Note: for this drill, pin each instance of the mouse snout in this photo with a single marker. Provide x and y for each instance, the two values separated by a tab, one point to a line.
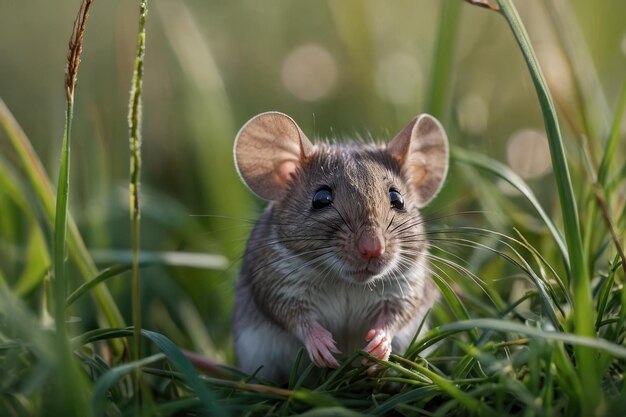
371	243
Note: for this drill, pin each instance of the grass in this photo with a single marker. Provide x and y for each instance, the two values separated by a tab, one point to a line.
134	121
531	320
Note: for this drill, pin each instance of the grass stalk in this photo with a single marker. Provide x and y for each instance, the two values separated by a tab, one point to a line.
73	396
440	73
611	144
134	120
42	187
589	97
579	279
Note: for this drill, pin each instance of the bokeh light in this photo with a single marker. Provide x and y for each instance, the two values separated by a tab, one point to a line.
472	114
399	78
309	72
528	153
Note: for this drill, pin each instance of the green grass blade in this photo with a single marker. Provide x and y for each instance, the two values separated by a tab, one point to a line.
454	303
185	259
40	182
60	225
588	90
512	327
38	262
165	258
614	136
113	376
504	172
583	311
441	71
173	354
180	361
134	121
98	279
445	385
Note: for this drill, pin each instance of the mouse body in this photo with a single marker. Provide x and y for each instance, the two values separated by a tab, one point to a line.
338	260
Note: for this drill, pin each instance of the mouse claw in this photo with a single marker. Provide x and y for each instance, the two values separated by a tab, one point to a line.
379	344
320	345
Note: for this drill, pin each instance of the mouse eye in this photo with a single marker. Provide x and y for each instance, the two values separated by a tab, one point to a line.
396	199
322	198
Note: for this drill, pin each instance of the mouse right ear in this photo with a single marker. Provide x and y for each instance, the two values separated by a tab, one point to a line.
421	148
269	149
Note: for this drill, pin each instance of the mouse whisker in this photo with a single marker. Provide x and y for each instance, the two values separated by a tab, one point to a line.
342	218
288	258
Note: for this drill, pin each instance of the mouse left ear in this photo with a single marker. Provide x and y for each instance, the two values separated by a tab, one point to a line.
269	150
421	149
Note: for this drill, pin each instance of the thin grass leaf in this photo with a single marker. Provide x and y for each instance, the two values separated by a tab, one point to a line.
588	91
611	144
175	407
165	258
42	186
107	273
113	376
134	122
504	172
173	354
454	303
332	412
73	396
417	394
606	286
441	70
549	304
180	362
99	334
579	276
38	263
512	327
294	370
445	385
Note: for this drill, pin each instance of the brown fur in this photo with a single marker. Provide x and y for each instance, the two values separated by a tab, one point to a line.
302	266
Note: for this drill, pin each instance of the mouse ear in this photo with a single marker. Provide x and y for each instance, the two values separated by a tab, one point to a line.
269	149
421	148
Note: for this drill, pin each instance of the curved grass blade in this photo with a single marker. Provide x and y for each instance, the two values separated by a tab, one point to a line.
167	258
583	312
417	394
112	376
588	91
611	144
444	384
579	275
332	412
512	327
186	259
40	182
98	279
504	172
170	351
180	362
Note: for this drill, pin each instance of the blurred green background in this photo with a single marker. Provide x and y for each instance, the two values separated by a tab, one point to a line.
341	68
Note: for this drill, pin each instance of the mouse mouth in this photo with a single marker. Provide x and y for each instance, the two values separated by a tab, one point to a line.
365	275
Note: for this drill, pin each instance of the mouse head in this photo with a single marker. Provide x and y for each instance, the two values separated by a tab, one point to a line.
351	209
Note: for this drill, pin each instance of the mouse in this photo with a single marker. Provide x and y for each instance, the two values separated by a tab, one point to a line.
338	260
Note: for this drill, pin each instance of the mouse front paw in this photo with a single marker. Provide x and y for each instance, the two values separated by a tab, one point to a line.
379	344
320	345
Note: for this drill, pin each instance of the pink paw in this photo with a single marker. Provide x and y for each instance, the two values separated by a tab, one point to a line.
320	345
379	344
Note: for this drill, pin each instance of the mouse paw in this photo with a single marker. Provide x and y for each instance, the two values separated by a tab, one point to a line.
379	344
320	345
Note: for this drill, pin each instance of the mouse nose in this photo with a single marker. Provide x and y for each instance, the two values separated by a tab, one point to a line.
371	243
